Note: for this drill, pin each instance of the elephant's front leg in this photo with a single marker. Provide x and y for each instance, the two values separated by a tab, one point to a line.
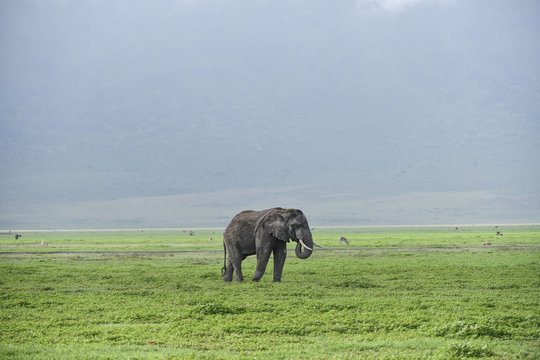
263	255
280	254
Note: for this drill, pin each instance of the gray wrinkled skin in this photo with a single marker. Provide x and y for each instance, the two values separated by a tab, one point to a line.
262	233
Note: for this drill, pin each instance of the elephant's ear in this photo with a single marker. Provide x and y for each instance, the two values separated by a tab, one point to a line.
275	224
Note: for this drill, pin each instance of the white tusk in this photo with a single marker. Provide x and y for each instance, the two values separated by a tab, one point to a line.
314	243
304	245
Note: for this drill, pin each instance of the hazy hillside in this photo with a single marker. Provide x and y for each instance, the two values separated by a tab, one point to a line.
105	101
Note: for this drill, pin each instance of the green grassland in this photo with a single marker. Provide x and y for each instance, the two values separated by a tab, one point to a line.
406	293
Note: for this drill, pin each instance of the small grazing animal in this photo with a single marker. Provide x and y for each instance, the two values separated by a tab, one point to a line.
485	243
343	239
44	243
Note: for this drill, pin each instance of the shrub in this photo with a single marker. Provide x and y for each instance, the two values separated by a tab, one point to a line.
215	309
463	329
469	350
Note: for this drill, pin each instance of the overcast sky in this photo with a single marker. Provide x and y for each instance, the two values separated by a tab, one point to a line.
180	113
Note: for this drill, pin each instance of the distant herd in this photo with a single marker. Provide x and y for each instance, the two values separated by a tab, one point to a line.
342	239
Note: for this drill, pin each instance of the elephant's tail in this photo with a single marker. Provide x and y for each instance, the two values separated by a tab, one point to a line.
224	268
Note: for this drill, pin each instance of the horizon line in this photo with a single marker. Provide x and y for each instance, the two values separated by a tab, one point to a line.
8	231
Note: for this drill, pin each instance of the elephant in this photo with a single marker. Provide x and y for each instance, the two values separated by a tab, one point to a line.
263	232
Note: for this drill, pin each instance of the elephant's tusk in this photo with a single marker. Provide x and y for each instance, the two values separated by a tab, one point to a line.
304	245
314	243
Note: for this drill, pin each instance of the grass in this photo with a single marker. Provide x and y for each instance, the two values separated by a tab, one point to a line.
432	293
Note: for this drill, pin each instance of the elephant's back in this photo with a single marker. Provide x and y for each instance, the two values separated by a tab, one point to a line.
244	223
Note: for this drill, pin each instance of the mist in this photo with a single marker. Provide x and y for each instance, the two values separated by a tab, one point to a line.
181	113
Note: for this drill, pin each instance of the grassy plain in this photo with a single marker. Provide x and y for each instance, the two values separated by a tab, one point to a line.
432	293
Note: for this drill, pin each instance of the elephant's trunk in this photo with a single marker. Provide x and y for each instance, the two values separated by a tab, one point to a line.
305	245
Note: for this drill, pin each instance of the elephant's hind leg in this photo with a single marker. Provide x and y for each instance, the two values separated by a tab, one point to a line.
237	265
234	264
228	272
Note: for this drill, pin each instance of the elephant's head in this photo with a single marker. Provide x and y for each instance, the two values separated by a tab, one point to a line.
286	224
